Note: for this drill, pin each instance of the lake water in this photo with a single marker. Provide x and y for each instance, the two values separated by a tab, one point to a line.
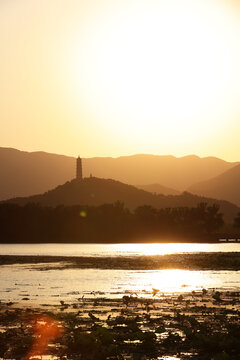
19	282
49	285
114	249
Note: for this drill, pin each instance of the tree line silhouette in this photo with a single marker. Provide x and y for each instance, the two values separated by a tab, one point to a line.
106	223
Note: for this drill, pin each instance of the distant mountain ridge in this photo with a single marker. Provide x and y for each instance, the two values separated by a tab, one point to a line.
95	191
169	171
225	186
28	173
24	174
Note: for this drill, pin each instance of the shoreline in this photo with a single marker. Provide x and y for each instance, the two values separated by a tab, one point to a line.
225	238
184	261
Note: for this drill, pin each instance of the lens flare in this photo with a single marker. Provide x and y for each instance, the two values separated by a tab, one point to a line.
45	330
83	213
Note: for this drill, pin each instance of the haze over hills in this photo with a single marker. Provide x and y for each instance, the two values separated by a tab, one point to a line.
225	186
95	191
158	189
28	173
23	173
169	171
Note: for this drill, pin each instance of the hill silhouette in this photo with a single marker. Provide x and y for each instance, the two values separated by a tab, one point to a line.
28	173
224	186
169	171
24	174
158	189
94	191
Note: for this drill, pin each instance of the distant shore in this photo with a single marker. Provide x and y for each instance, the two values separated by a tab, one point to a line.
186	261
218	238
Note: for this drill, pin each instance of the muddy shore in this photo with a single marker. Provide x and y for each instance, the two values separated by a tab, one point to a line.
199	325
190	261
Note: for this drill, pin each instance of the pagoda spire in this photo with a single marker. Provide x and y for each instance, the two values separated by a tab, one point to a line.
79	168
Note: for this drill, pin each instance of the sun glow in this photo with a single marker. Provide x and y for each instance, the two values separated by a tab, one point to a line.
112	78
160	70
176	280
161	248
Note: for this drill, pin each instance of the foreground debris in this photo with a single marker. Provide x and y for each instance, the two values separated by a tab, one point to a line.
203	325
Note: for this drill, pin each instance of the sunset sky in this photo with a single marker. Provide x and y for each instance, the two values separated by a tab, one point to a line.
119	77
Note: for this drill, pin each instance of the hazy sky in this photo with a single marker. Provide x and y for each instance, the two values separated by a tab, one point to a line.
118	77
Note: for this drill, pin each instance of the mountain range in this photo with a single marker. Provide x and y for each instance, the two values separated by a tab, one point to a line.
28	173
225	186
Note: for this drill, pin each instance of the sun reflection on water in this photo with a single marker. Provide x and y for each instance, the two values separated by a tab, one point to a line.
162	248
50	286
169	281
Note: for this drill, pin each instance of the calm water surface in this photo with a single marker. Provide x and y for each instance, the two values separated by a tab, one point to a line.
114	249
50	285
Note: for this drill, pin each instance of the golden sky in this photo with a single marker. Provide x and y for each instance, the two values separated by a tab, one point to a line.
119	77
